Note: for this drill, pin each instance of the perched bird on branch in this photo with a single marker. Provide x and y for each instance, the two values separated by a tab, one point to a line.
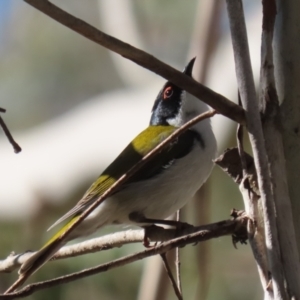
159	188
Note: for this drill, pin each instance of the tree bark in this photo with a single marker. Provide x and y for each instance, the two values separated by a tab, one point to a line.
287	78
275	152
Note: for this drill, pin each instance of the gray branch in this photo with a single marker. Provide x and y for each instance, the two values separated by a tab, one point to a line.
235	166
248	97
174	238
275	149
213	99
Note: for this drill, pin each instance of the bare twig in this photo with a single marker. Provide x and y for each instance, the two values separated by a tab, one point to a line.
118	239
15	145
215	100
177	259
240	138
210	231
113	188
256	234
171	277
230	162
249	101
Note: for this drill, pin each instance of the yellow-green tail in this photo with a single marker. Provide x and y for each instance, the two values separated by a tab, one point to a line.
39	258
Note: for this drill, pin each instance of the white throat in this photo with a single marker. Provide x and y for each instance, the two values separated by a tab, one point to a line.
192	107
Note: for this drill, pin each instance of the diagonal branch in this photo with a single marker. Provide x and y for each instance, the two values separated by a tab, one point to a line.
215	100
10	138
171	277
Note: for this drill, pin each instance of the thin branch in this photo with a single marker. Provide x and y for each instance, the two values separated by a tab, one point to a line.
177	259
15	145
252	203
239	138
214	230
215	100
171	277
230	162
113	188
240	144
118	239
248	96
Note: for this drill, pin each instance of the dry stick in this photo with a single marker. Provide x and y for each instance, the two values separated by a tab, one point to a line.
106	242
230	163
210	231
215	100
276	153
256	234
114	187
15	145
248	96
171	277
239	138
177	259
154	283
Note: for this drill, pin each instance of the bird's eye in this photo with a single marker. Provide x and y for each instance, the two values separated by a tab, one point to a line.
168	92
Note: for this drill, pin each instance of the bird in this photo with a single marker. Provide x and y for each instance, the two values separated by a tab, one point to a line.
160	187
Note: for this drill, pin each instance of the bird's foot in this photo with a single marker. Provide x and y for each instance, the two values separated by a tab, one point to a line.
147	240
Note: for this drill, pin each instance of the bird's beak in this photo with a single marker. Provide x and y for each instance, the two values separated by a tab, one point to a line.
189	67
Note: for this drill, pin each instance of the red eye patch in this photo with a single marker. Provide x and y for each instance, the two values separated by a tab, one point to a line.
168	92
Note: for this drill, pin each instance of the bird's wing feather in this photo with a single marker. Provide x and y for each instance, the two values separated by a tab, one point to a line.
103	183
134	152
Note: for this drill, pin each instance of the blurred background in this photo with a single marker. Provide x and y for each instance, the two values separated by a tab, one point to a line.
73	105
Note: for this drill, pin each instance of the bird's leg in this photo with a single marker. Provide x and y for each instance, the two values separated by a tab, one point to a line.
146	241
138	217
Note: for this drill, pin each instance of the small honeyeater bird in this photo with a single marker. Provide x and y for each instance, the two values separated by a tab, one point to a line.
161	187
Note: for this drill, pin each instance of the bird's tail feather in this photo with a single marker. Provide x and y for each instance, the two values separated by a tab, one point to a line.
39	258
